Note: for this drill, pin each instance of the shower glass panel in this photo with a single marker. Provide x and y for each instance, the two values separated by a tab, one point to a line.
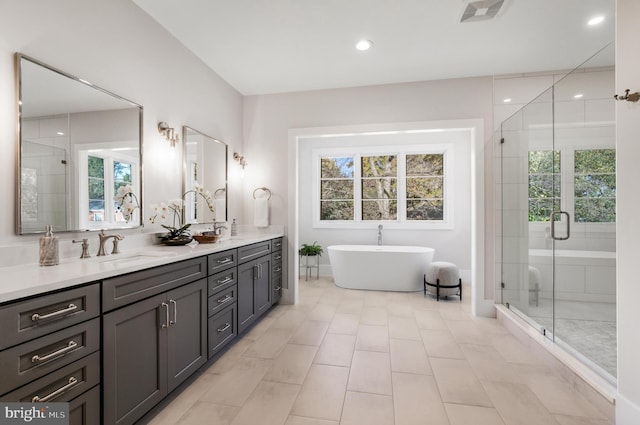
558	213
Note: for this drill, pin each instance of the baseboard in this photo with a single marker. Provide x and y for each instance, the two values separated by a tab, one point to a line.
627	412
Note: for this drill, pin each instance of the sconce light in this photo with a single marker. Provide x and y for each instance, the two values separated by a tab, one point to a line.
629	97
241	160
168	133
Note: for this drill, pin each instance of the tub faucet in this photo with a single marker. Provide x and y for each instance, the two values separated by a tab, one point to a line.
103	238
379	234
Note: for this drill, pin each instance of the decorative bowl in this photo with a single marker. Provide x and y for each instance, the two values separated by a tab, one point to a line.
206	238
180	240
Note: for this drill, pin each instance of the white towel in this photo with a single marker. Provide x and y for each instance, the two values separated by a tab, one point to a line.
261	217
220	209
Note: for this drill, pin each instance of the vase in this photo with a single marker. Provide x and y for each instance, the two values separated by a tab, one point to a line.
178	240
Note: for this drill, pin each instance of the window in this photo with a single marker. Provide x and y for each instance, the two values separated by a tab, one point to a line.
595	185
379	187
96	185
588	179
544	184
336	188
425	187
401	185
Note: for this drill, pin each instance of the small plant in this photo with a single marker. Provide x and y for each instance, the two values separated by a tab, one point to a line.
311	250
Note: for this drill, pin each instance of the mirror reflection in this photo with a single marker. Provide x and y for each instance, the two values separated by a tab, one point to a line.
205	163
78	145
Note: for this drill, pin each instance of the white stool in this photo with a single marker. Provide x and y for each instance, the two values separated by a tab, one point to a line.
535	283
443	279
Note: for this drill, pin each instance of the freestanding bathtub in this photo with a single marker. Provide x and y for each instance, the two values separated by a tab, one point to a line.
382	268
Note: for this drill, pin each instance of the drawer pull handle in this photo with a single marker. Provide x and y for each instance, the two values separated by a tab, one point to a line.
35	317
70	346
72	382
166	314
225	299
277	257
277	288
175	312
226	326
277	269
225	260
225	280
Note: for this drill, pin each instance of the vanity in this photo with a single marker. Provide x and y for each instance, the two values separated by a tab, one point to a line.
115	335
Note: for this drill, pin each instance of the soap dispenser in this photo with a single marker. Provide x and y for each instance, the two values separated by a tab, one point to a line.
49	248
234	228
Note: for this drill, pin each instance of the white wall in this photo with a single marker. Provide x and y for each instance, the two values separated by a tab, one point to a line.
628	149
118	47
268	118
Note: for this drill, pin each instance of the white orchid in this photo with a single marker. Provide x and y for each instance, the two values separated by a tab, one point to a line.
127	200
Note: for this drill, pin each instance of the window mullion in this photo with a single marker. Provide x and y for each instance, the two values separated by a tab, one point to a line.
357	188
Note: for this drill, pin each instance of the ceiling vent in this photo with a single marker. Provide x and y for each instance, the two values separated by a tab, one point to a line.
481	10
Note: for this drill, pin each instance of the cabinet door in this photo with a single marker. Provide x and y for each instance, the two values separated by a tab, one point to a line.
187	331
246	304
262	290
134	359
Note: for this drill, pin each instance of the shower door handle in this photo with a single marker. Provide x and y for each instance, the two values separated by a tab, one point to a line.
553	225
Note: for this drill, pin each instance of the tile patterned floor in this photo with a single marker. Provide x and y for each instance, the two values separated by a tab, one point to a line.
377	358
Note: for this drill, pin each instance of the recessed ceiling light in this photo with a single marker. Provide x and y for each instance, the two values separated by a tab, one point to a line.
507	100
595	20
363	45
577	96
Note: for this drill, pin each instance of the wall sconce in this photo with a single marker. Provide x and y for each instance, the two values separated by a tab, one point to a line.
629	97
169	133
241	160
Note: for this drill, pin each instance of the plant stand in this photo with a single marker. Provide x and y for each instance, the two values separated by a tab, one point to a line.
309	265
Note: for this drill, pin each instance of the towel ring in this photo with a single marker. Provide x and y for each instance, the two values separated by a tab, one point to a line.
221	190
262	188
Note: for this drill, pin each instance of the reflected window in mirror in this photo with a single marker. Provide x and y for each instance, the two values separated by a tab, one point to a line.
77	145
205	163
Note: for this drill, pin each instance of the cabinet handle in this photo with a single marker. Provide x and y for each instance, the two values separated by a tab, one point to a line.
277	269
225	299
277	288
175	312
225	280
70	346
166	316
225	327
35	317
225	260
255	272
277	257
72	382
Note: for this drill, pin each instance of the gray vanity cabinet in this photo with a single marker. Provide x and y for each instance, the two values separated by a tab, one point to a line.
254	278
276	270
152	345
50	351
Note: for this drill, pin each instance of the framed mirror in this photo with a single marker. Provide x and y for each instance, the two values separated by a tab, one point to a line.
205	164
79	147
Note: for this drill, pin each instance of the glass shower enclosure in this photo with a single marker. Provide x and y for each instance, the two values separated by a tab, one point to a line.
558	213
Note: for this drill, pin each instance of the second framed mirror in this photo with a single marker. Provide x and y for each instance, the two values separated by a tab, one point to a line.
205	164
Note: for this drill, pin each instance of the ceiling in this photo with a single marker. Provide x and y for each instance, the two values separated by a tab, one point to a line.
274	46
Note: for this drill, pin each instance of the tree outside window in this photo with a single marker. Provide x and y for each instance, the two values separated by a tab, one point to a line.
379	187
425	187
595	185
544	184
336	188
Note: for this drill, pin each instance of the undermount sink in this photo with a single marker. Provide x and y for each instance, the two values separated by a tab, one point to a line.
130	257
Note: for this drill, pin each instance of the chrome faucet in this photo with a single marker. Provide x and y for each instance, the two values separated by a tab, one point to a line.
217	228
103	238
379	234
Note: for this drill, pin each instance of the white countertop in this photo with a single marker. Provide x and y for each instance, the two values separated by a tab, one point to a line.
31	279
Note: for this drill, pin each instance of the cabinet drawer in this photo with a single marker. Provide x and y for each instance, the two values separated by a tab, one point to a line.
276	288
276	244
85	409
222	299
276	267
26	320
33	359
61	385
223	260
122	290
222	280
250	252
223	327
276	257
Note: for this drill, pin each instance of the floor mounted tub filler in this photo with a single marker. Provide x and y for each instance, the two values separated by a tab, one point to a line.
381	268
